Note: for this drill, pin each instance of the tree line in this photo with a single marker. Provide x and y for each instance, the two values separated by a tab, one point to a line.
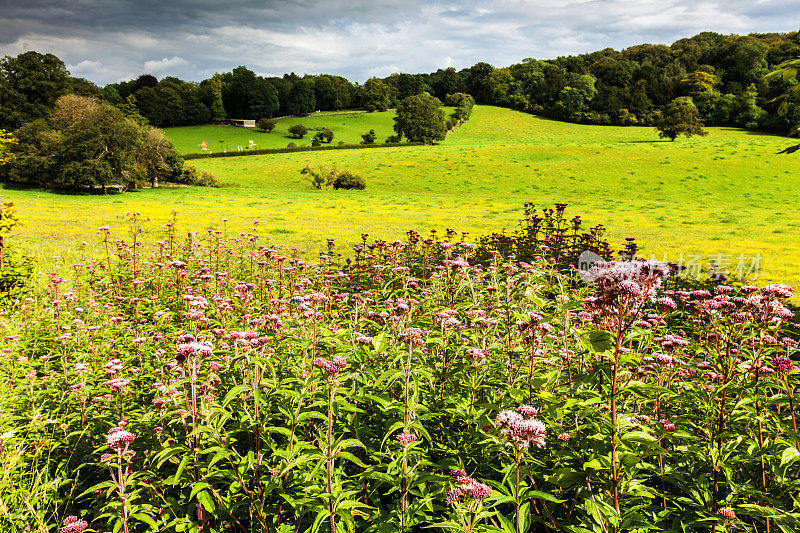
724	75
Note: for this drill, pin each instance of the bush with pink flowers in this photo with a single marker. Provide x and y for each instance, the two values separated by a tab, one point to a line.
217	383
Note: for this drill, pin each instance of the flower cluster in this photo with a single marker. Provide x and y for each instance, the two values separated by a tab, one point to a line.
332	367
194	349
520	428
73	525
406	437
119	438
468	489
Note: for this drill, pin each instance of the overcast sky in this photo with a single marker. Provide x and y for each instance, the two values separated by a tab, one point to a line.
111	40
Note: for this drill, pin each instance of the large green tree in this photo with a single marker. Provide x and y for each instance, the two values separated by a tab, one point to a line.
420	119
87	143
680	117
375	95
30	83
301	97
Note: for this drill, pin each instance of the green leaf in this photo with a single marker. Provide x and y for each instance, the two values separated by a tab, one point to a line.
789	455
181	466
600	341
147	519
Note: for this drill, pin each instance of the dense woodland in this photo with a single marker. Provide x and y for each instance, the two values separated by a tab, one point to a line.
723	74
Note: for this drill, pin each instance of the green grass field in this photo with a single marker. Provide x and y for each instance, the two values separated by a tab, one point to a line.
728	193
347	128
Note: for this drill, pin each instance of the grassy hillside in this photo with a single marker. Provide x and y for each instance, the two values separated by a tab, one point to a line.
728	193
347	128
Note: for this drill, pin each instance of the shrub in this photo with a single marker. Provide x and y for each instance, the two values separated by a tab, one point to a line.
298	131
325	178
16	268
327	135
265	124
393	139
369	137
198	178
317	140
347	180
291	145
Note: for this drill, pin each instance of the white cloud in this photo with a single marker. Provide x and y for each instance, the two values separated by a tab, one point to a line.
164	65
358	38
87	69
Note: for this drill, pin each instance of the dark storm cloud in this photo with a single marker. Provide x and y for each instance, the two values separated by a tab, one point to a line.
110	40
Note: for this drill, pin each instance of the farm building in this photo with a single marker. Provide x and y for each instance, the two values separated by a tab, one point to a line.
244	123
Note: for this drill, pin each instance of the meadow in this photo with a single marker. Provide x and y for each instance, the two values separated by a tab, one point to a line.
727	193
348	126
204	360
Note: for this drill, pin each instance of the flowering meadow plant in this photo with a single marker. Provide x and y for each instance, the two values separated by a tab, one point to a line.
218	383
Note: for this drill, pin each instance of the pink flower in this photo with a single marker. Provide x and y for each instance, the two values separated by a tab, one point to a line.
194	349
527	411
406	437
453	496
73	525
117	383
563	437
331	367
119	438
727	513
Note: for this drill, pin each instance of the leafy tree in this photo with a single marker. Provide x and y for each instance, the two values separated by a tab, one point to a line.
298	131
787	72
421	119
265	124
680	117
30	83
574	99
448	81
479	82
699	83
368	138
375	95
325	92
145	80
88	143
6	140
301	98
156	158
245	95
213	98
326	135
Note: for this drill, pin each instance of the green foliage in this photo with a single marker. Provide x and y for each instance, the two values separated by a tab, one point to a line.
16	268
298	131
6	140
403	387
301	98
30	84
198	178
680	117
247	96
375	95
213	98
265	124
87	143
368	138
787	71
331	177
419	118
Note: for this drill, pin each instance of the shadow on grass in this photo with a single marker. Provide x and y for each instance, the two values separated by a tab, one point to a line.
646	142
789	149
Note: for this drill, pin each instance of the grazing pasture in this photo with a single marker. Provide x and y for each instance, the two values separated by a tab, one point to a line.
728	193
348	126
